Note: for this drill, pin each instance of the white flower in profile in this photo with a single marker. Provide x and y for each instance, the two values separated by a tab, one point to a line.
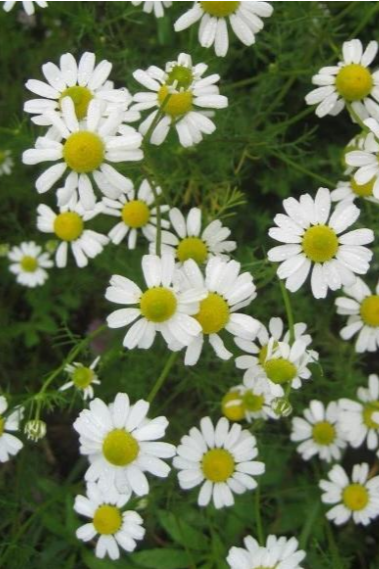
27	5
349	190
365	159
348	82
315	242
29	264
9	444
82	377
250	400
276	553
114	527
220	458
356	499
6	163
120	443
136	211
245	19
69	226
182	98
85	150
157	8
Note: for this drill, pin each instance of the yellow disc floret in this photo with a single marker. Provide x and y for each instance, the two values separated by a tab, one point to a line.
29	264
362	190
175	104
323	433
214	313
232	406
368	412
83	152
180	77
370	310
82	377
120	447
68	226
253	402
158	304
355	497
280	370
81	97
217	465
320	243
135	214
220	9
354	82
2	424
192	248
107	520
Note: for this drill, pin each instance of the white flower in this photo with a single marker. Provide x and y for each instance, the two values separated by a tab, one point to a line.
319	432
6	163
136	210
82	378
86	149
164	307
245	19
9	444
120	443
350	81
313	237
221	459
251	400
357	498
227	292
28	6
277	553
362	309
366	159
115	527
69	227
192	241
349	190
29	264
156	7
360	419
180	93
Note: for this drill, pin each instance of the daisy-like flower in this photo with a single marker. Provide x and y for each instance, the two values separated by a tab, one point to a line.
228	291
277	553
113	526
365	160
9	444
179	94
221	459
245	19
319	432
6	163
350	190
191	241
360	419
29	264
28	6
250	400
136	211
156	7
82	81
85	150
357	498
313	240
164	307
361	306
82	377
120	443
69	227
348	82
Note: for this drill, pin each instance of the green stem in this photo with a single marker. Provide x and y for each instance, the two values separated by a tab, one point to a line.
258	517
161	379
303	170
158	237
337	561
287	304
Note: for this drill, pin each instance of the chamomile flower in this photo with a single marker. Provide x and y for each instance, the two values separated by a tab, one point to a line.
182	98
69	226
6	163
245	19
120	443
219	458
29	264
9	444
114	526
192	241
28	6
365	160
356	499
85	151
136	210
82	377
319	432
350	190
156	7
163	307
228	291
277	553
251	400
361	306
314	242
348	82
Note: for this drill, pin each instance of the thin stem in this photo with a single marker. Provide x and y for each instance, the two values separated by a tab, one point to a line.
158	237
287	304
303	170
161	379
258	517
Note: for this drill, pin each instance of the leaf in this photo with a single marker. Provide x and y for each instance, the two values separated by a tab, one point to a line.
181	532
162	559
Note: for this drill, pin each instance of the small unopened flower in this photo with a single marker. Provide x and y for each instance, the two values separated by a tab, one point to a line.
35	430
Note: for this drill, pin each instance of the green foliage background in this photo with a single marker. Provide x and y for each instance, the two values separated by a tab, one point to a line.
268	146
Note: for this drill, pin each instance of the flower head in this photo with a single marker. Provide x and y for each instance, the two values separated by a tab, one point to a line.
9	444
365	160
350	190
250	400
35	430
277	553
29	264
82	377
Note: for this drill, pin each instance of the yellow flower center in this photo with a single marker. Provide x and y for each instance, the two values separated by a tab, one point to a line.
220	9
2	424
177	104
354	82
320	243
158	304
82	377
120	447
362	190
214	313
253	402
107	520
280	370
83	152
368	412
232	406
181	77
323	433
192	248
81	97
355	497
135	214
217	465
370	310
68	226
29	264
